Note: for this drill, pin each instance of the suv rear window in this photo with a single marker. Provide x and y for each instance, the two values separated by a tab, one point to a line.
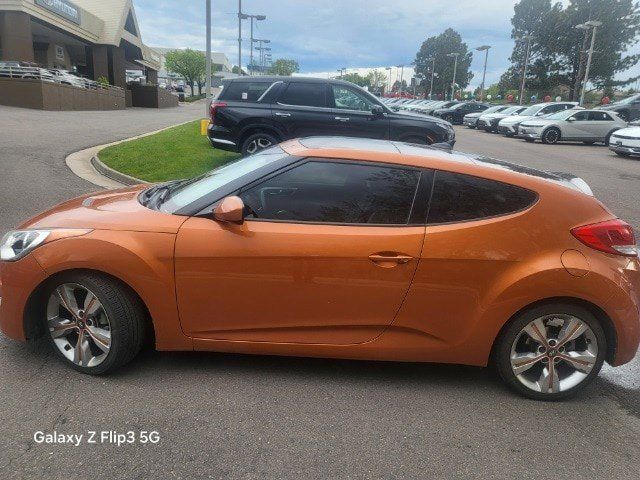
458	197
244	91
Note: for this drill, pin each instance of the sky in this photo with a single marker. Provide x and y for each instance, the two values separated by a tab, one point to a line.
324	35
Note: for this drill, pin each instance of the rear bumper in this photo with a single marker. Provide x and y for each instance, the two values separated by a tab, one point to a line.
221	138
624	309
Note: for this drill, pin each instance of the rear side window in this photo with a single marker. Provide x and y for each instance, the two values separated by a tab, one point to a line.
458	197
244	91
305	95
600	116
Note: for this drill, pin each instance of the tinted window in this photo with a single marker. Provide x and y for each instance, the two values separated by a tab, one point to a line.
244	91
600	116
580	116
305	95
329	192
348	99
457	197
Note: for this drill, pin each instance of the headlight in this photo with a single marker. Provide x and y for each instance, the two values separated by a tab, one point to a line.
16	245
19	243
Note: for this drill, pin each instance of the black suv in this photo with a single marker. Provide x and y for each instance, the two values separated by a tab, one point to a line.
456	113
627	109
252	113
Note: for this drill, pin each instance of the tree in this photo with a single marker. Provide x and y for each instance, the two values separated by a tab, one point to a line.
357	79
238	71
439	47
284	66
188	63
377	80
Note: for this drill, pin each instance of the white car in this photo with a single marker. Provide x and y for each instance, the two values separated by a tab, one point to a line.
509	125
489	121
626	141
587	126
471	119
67	78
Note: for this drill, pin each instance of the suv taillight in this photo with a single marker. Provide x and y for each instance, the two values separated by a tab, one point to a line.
612	236
214	107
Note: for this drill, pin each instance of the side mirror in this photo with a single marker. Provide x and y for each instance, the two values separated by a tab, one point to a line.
377	110
229	210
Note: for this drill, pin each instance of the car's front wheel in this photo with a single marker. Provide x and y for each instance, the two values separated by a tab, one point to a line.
551	136
551	352
256	142
94	324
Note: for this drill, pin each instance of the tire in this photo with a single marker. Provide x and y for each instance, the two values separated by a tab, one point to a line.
551	136
120	314
448	118
607	139
531	382
256	142
529	140
471	126
622	154
588	142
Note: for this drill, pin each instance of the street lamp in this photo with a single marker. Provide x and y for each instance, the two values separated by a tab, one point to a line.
455	67
526	38
401	67
593	24
389	70
246	16
485	49
208	59
433	70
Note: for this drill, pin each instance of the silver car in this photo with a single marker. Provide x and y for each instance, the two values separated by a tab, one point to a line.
588	126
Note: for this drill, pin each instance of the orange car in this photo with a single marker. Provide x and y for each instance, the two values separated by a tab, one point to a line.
337	247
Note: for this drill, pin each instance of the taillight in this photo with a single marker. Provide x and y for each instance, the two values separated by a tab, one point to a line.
214	108
612	236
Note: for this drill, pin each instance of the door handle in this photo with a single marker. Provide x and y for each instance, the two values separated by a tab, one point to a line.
342	119
389	259
282	114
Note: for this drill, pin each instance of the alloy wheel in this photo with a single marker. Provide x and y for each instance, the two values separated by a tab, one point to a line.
79	325
551	136
554	353
259	143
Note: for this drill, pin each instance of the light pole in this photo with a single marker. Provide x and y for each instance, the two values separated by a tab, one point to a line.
261	41
455	67
593	24
433	70
389	70
527	38
252	18
208	61
401	67
484	48
240	37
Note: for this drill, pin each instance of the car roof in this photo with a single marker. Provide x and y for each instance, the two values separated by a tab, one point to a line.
276	78
424	156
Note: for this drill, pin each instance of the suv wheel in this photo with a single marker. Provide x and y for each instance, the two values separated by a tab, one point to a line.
448	118
551	136
551	352
94	324
256	142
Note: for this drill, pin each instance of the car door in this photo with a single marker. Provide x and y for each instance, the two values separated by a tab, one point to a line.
577	126
302	110
326	255
600	124
353	114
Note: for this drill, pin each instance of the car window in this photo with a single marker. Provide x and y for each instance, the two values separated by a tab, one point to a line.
580	116
348	99
600	116
458	197
305	95
244	91
332	192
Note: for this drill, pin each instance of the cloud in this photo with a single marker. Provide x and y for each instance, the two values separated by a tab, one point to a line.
329	34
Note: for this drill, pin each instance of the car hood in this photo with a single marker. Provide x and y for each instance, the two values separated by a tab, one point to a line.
512	119
629	131
530	121
417	116
108	210
474	115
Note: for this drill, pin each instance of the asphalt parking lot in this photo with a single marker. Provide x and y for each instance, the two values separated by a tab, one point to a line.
233	416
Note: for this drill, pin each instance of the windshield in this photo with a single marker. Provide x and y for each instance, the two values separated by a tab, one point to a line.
532	110
495	108
510	110
560	115
627	100
207	183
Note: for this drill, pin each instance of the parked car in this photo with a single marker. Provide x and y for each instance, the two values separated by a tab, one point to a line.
428	110
65	77
456	113
626	141
588	126
471	119
627	109
509	125
489	122
252	113
376	245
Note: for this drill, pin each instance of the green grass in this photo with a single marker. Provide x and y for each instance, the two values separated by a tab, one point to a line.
179	152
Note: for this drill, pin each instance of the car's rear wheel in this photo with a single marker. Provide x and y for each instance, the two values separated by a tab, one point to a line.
94	324
256	142
551	352
551	136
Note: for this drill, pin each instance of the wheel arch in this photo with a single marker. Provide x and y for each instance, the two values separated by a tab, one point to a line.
605	321
33	310
254	128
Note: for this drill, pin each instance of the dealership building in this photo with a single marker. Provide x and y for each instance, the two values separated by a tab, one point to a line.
99	39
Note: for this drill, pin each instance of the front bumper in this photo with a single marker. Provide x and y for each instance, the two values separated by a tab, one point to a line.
17	282
529	133
625	149
470	122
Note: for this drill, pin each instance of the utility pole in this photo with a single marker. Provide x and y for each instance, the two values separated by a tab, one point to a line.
208	60
389	70
594	25
401	67
455	68
526	64
583	52
433	70
484	48
240	37
245	16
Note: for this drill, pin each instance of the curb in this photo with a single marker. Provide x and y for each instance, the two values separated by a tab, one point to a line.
87	165
113	174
